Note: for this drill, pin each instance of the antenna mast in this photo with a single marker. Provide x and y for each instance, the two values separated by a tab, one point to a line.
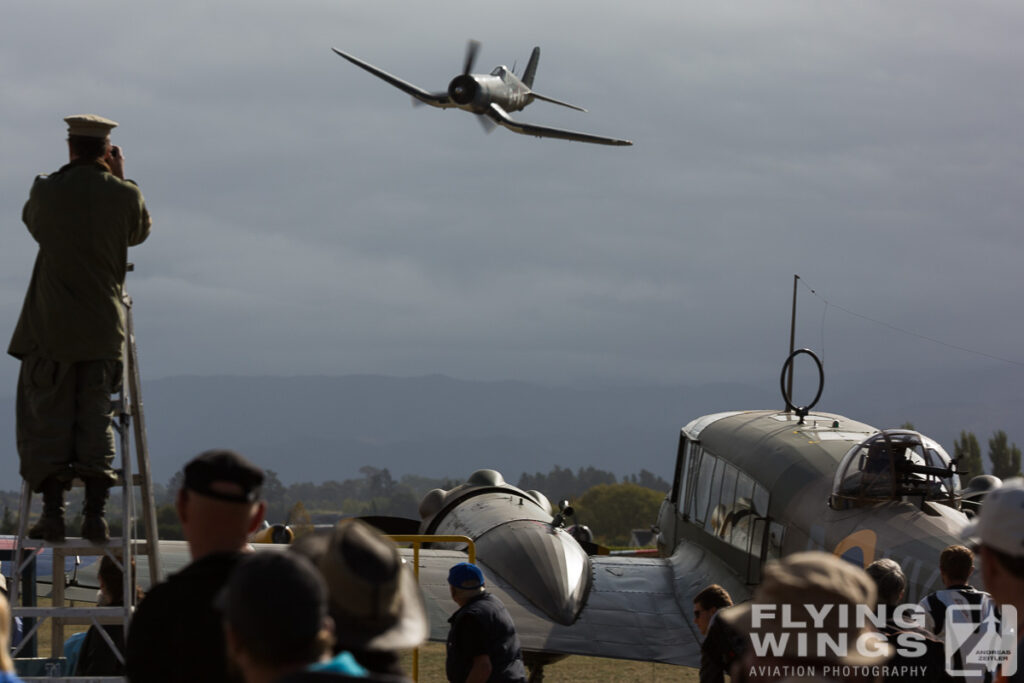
792	341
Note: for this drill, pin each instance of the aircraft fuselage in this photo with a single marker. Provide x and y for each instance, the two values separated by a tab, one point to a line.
475	93
754	486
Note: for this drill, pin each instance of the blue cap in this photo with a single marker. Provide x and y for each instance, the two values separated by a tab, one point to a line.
465	575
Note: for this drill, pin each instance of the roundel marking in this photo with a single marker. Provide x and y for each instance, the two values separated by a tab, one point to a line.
858	547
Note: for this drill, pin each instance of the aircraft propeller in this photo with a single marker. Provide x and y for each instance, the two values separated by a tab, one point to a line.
487	123
471	49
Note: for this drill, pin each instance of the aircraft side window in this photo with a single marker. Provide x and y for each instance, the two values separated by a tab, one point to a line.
679	481
702	487
742	515
727	501
760	500
717	513
693	458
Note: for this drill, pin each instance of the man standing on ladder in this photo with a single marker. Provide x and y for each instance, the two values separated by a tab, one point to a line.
71	331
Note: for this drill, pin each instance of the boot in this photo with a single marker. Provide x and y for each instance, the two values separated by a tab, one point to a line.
50	526
94	527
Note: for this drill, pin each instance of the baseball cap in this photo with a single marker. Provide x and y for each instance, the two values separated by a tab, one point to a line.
1000	523
465	575
210	468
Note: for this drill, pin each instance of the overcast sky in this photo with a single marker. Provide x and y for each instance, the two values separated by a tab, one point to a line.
309	220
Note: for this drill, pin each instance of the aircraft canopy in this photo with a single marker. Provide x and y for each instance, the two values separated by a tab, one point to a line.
892	465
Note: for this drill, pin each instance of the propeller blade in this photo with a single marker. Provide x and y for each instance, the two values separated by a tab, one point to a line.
471	50
487	123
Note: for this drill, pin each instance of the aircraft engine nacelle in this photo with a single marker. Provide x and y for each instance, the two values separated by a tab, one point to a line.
277	533
514	535
469	93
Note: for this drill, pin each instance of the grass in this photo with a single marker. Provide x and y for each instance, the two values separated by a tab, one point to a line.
573	669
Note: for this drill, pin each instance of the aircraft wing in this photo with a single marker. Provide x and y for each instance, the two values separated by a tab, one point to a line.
81	572
433	99
638	608
499	116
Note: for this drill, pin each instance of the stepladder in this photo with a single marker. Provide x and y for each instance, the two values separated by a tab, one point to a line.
137	539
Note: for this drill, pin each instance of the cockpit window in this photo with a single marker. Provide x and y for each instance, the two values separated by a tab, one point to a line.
499	71
894	464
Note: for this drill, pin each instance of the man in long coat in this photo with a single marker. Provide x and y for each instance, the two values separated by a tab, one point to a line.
71	331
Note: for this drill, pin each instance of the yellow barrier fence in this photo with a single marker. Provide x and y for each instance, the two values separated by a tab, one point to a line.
417	540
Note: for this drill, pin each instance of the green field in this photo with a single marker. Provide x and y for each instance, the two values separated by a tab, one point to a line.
569	670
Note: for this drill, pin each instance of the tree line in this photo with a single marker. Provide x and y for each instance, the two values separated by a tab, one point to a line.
610	506
377	492
1003	454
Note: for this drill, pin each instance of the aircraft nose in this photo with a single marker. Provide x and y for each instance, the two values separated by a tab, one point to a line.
546	565
463	89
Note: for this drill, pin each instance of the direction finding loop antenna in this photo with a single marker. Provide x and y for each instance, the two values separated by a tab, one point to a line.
802	411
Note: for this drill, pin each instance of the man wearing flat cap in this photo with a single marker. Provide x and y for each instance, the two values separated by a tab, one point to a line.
71	330
176	635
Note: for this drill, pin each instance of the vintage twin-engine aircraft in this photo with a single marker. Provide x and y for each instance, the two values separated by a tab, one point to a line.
490	97
748	487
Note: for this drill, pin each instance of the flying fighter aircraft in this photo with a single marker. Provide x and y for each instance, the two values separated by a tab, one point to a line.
490	97
749	486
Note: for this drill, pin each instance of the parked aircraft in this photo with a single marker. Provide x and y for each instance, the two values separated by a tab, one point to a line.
491	97
749	486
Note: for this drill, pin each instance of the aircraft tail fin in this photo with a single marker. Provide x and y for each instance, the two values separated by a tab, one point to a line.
531	68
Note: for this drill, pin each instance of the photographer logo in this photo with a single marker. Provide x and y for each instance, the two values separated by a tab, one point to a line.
976	641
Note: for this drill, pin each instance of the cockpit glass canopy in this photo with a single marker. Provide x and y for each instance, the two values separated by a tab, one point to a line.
499	71
893	464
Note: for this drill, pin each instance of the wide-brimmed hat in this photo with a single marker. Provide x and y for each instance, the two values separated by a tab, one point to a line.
812	579
374	599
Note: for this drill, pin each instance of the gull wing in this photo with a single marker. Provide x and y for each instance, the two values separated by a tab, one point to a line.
433	99
499	116
638	608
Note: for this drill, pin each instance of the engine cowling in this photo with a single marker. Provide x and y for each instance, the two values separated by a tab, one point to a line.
466	92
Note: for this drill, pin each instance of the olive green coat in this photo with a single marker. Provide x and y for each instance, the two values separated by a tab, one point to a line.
84	219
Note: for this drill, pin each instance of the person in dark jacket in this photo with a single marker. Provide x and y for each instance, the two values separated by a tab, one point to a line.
176	635
276	622
482	642
722	645
71	330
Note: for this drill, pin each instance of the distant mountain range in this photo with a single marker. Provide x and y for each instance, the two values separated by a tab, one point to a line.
323	428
